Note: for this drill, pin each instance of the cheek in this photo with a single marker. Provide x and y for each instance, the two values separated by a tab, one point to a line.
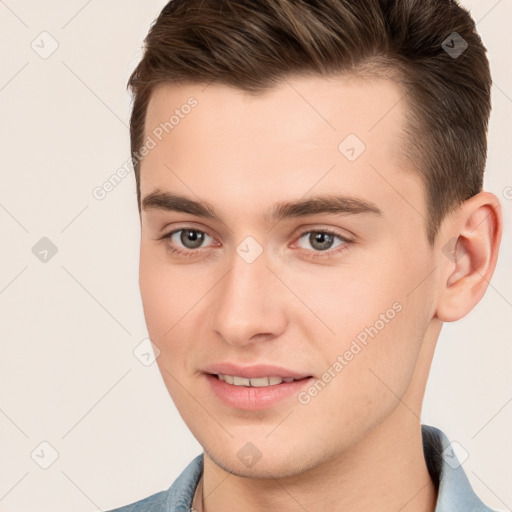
367	372
157	299
346	302
378	322
171	298
164	294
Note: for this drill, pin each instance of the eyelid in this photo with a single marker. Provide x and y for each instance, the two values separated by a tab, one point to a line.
328	253
168	236
341	233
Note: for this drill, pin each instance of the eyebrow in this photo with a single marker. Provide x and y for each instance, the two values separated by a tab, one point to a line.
326	204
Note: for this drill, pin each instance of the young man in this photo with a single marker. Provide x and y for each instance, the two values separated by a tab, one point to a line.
309	178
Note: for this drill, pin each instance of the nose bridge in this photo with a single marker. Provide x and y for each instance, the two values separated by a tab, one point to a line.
244	299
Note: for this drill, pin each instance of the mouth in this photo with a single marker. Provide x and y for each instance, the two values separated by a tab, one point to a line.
255	393
257	382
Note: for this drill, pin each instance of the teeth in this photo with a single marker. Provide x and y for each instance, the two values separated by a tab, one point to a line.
240	381
257	382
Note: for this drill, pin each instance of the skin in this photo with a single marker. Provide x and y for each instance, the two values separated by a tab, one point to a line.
357	444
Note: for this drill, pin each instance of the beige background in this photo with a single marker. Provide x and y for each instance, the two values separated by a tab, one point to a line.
69	326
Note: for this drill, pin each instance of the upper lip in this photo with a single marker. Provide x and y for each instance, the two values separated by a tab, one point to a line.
253	371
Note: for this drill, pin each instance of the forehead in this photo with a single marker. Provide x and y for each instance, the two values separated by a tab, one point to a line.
314	106
342	131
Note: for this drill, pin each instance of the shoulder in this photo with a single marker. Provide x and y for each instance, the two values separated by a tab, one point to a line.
178	498
154	503
454	489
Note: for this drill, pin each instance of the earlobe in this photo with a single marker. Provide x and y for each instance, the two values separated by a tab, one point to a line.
468	258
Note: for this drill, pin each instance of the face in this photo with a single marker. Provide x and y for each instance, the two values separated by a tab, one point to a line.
338	290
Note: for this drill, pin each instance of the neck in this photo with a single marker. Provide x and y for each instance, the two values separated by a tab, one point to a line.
385	472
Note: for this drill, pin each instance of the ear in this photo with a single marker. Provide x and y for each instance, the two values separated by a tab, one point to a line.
469	248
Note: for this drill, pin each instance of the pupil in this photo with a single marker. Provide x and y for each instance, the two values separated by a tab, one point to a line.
323	239
191	236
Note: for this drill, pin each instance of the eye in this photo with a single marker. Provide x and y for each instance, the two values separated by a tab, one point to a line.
185	241
188	241
323	240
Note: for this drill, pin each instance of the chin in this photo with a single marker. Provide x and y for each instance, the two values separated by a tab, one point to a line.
275	466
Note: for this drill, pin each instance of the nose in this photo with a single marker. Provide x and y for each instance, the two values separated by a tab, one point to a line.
249	303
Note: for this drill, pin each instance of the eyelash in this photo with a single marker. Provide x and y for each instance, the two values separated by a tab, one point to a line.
314	254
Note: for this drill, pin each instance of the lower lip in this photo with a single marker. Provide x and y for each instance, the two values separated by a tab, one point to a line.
253	398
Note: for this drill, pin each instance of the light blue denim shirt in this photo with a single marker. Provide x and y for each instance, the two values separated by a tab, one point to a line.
455	493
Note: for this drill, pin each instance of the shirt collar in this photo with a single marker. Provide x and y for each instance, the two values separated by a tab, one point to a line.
454	490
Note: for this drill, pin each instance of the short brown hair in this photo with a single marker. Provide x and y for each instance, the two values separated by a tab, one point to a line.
253	45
